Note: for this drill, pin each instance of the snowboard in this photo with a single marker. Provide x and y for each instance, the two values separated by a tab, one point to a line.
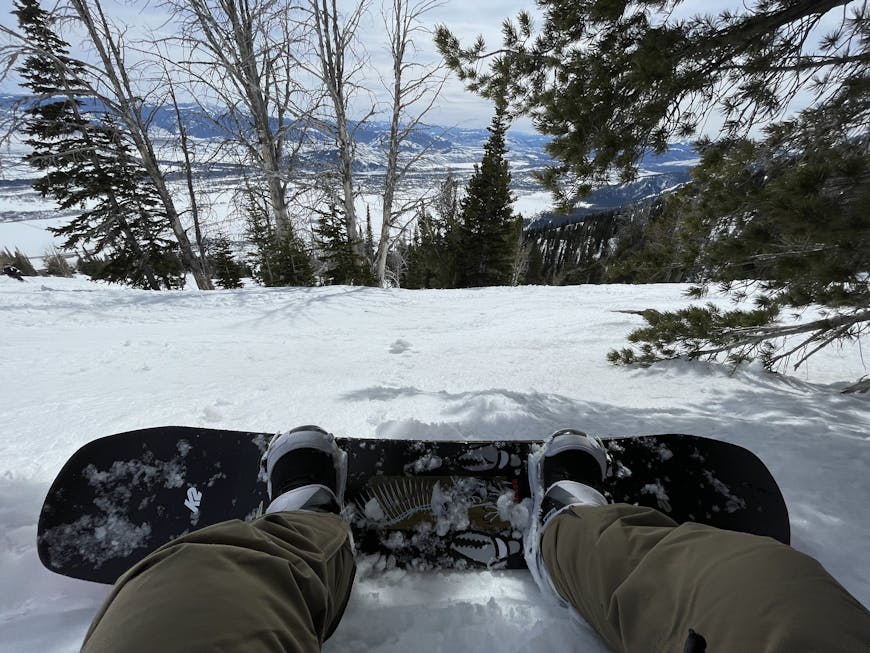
416	504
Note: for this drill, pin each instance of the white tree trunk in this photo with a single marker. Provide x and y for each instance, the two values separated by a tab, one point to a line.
251	66
333	43
402	22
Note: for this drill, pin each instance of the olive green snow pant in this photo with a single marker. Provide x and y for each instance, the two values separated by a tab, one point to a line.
281	583
642	582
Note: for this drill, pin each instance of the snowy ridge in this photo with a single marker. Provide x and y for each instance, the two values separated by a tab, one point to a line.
82	360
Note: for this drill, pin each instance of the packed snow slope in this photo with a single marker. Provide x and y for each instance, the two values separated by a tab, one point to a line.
82	360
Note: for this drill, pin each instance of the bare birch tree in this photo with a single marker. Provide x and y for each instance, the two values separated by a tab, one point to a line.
241	56
188	155
413	89
336	64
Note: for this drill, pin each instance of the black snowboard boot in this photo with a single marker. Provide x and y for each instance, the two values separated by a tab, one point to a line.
306	471
567	471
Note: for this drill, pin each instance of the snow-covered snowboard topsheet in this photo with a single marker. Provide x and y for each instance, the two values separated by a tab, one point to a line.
421	504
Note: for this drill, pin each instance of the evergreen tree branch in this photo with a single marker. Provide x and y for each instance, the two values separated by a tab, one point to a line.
751	336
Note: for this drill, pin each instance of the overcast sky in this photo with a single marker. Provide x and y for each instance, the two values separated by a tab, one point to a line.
466	18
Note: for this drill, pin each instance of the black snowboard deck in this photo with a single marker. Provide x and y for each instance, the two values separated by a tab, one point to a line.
420	504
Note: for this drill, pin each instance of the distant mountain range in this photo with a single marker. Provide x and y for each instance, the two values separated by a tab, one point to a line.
447	146
453	149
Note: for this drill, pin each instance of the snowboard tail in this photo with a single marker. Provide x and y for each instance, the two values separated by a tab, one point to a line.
420	504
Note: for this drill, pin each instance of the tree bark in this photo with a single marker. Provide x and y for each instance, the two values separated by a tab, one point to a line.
188	173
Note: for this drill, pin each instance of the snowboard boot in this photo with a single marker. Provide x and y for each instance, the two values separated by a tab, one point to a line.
565	472
306	471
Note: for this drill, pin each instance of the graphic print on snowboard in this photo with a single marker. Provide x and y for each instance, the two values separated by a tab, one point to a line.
421	504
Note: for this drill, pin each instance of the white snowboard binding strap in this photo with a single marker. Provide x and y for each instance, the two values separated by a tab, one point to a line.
308	498
560	496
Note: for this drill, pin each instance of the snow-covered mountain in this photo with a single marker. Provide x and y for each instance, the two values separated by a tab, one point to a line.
459	144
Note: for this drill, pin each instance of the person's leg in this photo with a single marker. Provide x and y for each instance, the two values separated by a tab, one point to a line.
279	583
642	582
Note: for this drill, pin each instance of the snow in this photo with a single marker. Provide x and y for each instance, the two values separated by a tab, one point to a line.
373	510
83	360
531	203
31	237
656	489
516	514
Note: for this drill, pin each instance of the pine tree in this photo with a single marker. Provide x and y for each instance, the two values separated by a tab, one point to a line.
488	229
125	223
227	270
535	267
794	218
415	266
87	164
445	234
278	259
426	254
434	251
370	236
610	81
339	253
48	70
120	216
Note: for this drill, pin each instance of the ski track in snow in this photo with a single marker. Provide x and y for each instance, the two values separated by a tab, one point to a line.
83	360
